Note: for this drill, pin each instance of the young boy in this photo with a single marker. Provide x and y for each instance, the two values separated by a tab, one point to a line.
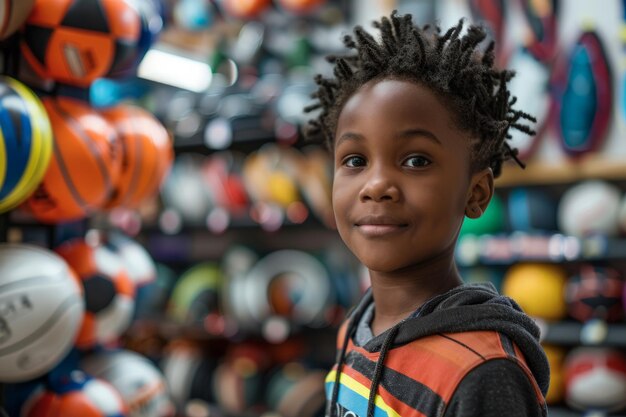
417	122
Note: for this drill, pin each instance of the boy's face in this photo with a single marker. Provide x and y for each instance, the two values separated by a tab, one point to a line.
402	176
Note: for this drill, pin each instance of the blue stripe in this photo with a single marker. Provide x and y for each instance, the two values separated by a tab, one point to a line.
18	149
353	401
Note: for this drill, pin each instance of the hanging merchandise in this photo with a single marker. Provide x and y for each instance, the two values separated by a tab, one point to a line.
77	395
108	291
589	208
492	221
583	96
41	310
222	173
13	13
86	163
531	87
491	14
542	17
595	379
140	383
76	41
25	142
595	292
147	155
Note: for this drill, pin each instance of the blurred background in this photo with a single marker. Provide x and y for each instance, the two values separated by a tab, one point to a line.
167	245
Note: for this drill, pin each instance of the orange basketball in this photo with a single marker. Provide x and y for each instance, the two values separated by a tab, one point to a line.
146	157
86	162
77	41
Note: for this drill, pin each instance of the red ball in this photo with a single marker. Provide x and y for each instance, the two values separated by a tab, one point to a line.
77	41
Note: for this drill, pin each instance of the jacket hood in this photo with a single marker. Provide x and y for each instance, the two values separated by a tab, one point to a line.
469	307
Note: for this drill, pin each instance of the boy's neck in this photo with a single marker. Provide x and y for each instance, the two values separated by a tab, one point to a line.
397	295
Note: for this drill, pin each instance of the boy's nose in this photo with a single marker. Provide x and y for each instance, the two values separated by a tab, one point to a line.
379	188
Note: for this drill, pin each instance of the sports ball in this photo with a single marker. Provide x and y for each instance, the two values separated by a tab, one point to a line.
590	207
147	155
12	15
188	372
41	309
537	288
137	261
25	142
595	293
109	291
77	395
196	294
556	356
141	384
492	221
76	41
86	163
595	378
245	9
532	209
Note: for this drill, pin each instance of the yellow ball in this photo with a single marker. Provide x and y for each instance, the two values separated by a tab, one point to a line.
282	189
538	288
555	355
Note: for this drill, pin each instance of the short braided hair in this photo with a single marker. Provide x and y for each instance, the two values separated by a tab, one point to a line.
451	65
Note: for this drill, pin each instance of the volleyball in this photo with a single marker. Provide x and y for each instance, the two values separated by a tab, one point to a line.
141	384
41	307
76	41
146	158
25	142
109	292
78	395
86	163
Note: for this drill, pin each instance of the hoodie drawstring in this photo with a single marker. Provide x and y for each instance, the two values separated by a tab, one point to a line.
342	357
378	371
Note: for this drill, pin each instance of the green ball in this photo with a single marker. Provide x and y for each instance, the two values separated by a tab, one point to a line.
492	221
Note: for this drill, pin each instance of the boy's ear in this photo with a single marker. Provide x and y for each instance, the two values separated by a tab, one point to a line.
480	193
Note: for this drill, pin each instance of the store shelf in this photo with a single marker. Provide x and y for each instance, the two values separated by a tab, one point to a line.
546	173
490	250
592	333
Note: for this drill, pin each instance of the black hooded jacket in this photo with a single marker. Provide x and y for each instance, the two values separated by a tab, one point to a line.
496	387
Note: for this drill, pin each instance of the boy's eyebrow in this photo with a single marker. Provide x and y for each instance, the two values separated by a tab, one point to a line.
405	134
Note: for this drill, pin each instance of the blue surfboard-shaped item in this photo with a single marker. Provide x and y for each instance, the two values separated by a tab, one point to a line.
583	96
542	18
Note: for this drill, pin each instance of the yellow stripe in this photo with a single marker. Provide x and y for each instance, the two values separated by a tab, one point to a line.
363	391
41	147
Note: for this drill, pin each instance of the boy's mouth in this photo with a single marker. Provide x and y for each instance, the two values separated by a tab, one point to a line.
375	226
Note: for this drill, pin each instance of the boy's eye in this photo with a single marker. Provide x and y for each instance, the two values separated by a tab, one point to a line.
354	162
417	161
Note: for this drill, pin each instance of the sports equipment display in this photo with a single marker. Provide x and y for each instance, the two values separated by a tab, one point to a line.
86	163
77	41
109	291
41	309
25	142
